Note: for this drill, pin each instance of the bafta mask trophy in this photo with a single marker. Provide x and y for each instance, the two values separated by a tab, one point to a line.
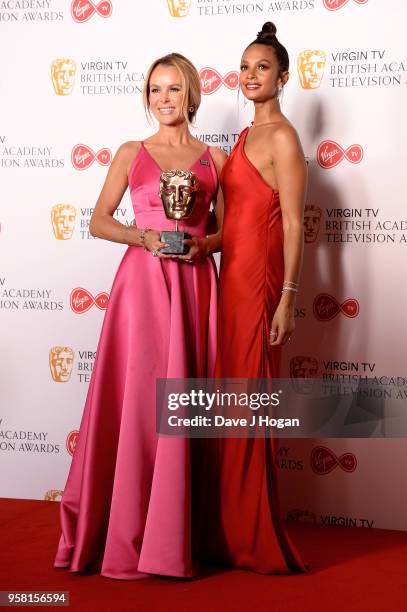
178	189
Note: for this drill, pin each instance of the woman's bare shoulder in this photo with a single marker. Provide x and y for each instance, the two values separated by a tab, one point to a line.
125	155
284	133
283	137
129	149
219	156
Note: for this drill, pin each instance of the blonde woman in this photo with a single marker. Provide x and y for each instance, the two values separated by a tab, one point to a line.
126	509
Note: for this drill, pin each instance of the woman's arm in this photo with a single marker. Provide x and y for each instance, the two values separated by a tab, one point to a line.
291	174
102	223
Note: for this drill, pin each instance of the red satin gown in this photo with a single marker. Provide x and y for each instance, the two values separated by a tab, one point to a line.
244	527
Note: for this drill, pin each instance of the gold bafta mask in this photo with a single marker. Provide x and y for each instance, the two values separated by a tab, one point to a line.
178	192
303	371
63	220
61	362
311	65
63	76
53	495
312	220
179	8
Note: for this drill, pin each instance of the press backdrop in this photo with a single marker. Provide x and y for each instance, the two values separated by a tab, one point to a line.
71	76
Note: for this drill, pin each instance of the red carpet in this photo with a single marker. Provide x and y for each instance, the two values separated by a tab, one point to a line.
352	569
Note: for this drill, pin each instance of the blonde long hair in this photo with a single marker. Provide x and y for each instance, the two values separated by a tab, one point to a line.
190	82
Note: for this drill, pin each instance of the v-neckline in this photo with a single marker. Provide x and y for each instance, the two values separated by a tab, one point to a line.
159	167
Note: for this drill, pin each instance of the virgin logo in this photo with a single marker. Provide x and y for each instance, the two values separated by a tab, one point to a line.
211	80
334	5
323	461
330	154
71	441
82	10
326	307
82	157
81	300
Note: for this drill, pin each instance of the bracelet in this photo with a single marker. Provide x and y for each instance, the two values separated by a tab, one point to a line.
291	283
143	233
286	288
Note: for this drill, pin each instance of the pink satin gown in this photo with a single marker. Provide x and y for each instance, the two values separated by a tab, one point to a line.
126	508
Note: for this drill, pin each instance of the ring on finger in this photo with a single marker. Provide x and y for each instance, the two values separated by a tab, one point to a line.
154	252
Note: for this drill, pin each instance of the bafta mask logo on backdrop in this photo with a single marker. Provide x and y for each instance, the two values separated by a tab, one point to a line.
81	300
323	461
71	440
179	8
334	5
63	221
303	372
53	495
330	154
326	307
211	80
296	515
63	73
312	222
82	10
60	363
311	65
82	157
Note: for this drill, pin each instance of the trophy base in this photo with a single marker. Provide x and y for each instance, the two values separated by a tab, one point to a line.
175	242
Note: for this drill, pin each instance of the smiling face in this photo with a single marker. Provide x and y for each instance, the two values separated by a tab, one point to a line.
166	95
260	76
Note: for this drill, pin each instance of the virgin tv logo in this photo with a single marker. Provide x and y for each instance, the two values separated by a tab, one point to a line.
330	154
326	307
211	80
334	5
82	157
323	461
82	10
71	440
81	300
